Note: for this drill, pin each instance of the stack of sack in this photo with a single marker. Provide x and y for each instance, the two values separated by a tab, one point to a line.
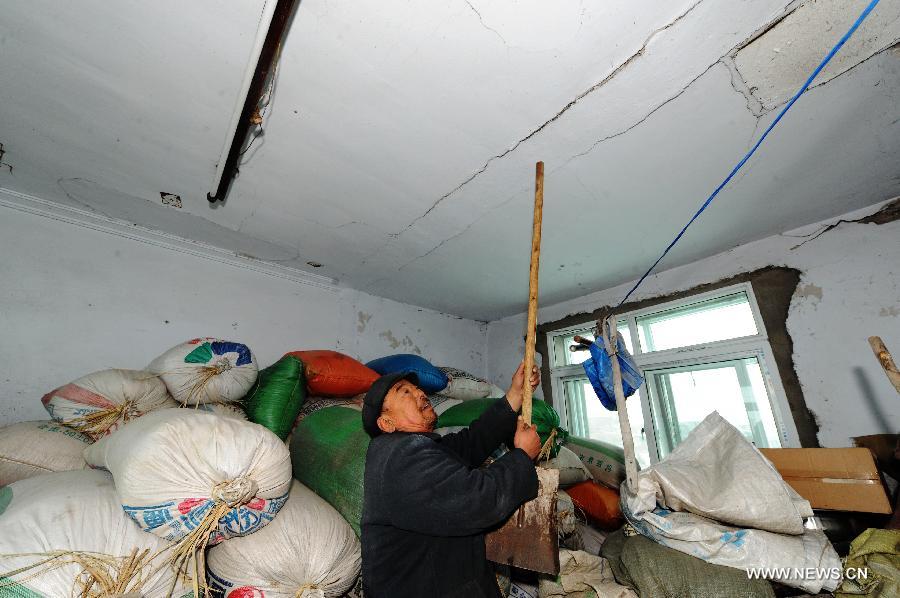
716	497
177	495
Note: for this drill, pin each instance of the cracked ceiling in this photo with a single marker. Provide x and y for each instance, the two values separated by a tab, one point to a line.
400	144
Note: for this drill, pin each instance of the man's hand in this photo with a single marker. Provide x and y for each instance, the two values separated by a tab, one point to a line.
527	439
514	394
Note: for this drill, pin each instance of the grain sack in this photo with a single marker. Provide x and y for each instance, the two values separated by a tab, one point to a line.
599	504
654	570
206	370
441	403
333	374
465	386
195	477
34	448
606	462
543	416
308	551
99	403
431	379
276	398
55	528
583	575
328	452
571	469
232	410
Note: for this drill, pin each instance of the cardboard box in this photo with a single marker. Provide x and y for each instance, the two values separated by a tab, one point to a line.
837	479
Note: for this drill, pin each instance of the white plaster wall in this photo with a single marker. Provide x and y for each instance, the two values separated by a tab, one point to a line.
849	290
75	300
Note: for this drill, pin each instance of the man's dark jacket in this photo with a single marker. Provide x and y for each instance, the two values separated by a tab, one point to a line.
427	506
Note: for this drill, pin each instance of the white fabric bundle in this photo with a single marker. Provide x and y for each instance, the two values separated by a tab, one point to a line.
183	472
582	575
465	386
97	404
309	551
75	516
207	370
717	498
33	448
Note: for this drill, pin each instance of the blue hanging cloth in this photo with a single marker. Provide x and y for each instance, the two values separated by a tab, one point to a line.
599	371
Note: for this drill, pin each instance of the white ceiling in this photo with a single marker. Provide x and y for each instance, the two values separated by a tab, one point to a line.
399	148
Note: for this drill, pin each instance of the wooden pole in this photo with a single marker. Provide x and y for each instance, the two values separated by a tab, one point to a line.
886	361
531	330
610	336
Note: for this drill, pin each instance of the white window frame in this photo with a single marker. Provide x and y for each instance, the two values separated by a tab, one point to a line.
748	346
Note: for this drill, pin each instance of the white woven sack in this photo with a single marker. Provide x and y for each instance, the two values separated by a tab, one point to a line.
232	410
33	448
185	473
75	515
465	386
309	551
207	370
571	470
717	498
97	404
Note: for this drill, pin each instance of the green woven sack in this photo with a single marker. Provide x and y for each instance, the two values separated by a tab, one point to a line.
543	417
276	398
328	453
10	589
661	572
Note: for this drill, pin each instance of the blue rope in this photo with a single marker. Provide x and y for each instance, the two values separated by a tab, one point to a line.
734	170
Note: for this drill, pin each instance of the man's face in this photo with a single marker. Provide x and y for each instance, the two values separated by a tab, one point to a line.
406	409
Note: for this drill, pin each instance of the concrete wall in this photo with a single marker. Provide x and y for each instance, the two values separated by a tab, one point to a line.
849	290
74	300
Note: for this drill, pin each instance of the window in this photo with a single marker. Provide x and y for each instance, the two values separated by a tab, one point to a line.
702	354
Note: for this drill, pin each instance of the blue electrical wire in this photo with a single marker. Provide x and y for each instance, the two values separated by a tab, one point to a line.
734	171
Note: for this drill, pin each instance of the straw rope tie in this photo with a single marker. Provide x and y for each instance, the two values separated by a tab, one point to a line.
235	492
317	592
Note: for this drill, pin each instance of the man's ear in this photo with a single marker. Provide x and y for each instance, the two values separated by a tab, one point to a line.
386	424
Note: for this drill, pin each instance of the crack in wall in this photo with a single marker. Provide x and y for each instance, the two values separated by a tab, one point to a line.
566	108
486	26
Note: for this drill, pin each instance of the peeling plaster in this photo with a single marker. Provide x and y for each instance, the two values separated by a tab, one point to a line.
363	319
809	290
889	312
784	54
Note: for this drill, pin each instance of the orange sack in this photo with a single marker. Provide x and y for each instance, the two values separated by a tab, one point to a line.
599	503
333	374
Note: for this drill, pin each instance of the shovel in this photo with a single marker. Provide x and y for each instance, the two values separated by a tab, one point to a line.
529	540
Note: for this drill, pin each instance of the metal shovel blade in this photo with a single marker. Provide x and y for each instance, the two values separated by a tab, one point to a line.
529	540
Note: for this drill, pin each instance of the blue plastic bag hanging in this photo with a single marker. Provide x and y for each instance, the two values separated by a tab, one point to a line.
599	371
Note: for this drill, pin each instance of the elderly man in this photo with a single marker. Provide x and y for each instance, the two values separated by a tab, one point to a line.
427	504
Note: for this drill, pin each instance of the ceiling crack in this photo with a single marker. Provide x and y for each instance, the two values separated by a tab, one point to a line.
485	25
555	117
754	106
639	122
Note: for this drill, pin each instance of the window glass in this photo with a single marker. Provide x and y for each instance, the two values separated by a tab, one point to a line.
589	419
717	319
682	397
565	356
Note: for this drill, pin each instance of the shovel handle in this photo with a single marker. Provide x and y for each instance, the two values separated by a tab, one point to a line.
531	330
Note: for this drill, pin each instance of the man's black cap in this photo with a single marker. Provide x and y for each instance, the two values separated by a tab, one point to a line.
375	399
